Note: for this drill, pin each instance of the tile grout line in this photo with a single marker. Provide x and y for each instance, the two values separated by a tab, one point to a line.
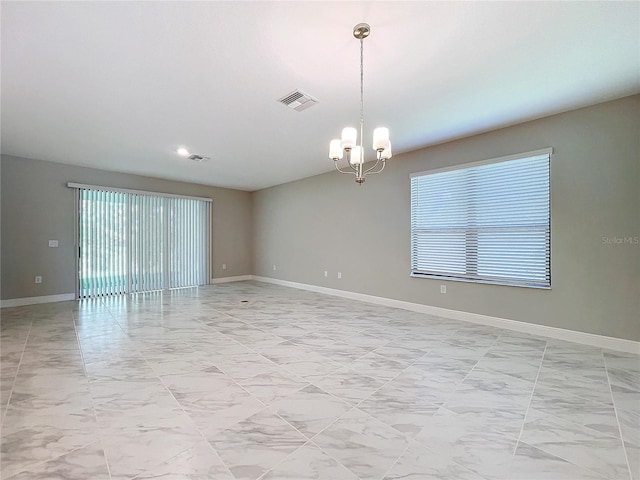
308	439
309	383
356	407
448	396
13	383
272	410
93	405
238	384
535	383
556	455
615	410
411	439
308	442
396	461
37	464
43	462
158	376
190	420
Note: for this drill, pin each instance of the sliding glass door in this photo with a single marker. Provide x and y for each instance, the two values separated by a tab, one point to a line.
137	242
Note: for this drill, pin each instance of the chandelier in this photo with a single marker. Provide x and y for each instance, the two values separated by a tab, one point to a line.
348	145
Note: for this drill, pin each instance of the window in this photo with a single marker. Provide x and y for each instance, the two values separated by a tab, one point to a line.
133	241
488	222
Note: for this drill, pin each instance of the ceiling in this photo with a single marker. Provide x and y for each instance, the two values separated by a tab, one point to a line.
121	85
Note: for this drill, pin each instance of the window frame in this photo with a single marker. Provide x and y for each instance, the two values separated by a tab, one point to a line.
468	278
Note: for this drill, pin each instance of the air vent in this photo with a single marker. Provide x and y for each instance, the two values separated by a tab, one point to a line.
298	100
197	158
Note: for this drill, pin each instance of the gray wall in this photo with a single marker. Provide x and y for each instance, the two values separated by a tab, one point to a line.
327	222
38	206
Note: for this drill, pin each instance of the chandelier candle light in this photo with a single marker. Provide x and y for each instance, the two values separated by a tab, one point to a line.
349	142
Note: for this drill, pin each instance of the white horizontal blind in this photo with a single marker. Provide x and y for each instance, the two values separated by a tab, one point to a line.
486	223
134	242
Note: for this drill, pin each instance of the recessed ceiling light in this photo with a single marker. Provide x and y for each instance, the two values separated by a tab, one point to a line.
183	152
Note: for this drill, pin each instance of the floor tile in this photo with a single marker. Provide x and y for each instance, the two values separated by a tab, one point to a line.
131	452
310	410
633	457
579	445
625	398
576	382
404	411
586	412
253	446
349	385
471	441
274	385
81	464
419	463
200	462
511	364
400	353
364	445
193	390
32	437
530	463
218	410
485	387
378	366
630	426
309	463
624	361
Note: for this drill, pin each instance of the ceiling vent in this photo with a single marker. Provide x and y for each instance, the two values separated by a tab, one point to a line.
197	158
298	100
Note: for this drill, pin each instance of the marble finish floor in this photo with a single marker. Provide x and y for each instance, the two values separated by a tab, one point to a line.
252	381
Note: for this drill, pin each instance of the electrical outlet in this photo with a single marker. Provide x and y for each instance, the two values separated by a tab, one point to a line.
339	275
326	274
224	266
274	267
53	243
443	289
38	279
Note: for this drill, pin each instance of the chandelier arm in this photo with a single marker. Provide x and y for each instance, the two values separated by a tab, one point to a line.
335	162
374	165
384	162
353	167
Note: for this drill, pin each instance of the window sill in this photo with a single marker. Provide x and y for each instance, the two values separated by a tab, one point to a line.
470	280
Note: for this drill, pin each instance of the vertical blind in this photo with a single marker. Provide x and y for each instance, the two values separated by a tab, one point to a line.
103	248
147	242
188	225
487	223
137	242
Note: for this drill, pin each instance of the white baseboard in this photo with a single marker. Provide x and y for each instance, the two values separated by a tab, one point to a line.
19	302
601	341
239	278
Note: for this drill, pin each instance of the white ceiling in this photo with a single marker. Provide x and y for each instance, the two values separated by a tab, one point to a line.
121	85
